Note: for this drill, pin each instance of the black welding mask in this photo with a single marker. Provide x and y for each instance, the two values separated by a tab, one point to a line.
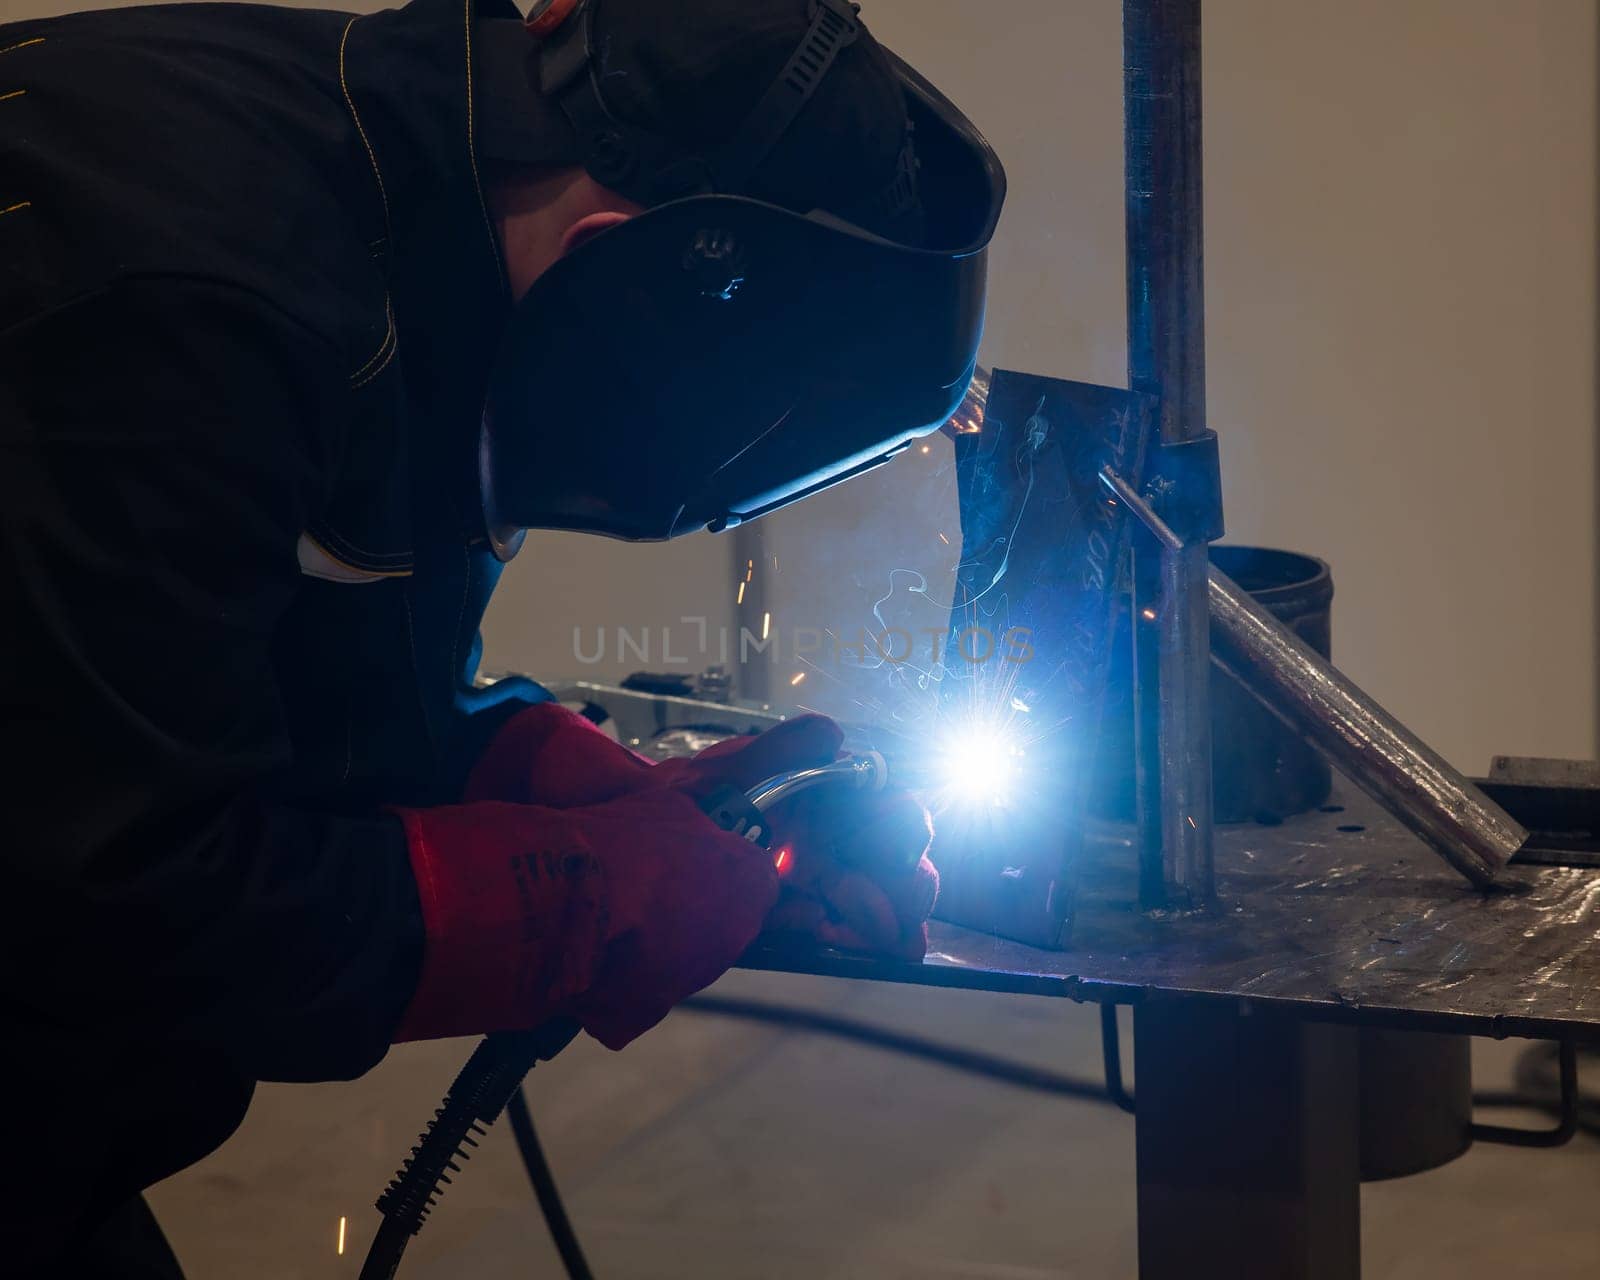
721	356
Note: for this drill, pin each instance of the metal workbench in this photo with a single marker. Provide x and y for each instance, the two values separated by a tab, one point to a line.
1340	916
1246	1015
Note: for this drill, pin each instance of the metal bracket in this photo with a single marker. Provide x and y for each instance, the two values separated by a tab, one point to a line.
1185	487
1181	506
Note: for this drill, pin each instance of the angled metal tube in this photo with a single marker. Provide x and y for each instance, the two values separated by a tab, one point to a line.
1362	740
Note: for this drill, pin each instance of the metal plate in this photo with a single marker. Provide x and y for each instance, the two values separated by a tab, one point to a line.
1040	546
1314	918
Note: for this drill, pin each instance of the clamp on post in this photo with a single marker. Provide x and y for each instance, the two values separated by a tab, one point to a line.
1182	501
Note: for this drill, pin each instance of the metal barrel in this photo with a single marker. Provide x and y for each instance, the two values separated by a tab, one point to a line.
1360	738
1262	770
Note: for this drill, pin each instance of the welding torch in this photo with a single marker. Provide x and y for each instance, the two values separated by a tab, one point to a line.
496	1069
744	813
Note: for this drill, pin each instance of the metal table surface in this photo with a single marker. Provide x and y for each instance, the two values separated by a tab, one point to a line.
1249	1098
1331	916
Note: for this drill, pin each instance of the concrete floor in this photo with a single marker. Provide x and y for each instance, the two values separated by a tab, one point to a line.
719	1148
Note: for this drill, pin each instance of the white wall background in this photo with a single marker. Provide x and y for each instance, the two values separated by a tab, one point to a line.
1401	218
1403	228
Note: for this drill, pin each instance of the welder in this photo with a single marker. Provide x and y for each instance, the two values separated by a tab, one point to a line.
304	318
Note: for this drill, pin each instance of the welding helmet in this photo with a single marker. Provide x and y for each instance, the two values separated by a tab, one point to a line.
722	354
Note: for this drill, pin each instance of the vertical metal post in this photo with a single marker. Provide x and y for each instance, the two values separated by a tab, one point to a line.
1249	1157
1166	359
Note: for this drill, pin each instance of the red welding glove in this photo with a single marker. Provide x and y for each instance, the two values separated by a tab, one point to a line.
549	755
610	913
855	871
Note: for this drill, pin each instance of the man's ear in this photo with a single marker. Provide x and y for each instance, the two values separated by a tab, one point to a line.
588	227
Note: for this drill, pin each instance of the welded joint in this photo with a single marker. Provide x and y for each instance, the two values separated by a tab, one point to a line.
1123	492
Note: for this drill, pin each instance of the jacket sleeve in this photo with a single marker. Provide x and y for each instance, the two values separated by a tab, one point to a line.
162	443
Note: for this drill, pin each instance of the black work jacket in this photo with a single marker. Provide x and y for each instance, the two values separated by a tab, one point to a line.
249	294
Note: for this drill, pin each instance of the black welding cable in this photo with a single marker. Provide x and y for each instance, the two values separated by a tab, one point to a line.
545	1189
480	1091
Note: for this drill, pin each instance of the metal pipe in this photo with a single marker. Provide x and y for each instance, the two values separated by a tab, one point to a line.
1360	738
1300	687
1166	360
1164	210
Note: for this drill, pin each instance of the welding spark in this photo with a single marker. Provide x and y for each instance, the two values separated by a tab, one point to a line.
944	540
766	625
980	765
341	1237
1017	704
1149	615
797	677
925	449
742	586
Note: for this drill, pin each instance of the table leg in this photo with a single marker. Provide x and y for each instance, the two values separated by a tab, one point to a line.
1249	1162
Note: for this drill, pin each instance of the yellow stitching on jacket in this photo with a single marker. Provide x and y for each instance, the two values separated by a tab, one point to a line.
385	352
472	156
12	48
20	204
361	382
15	93
386	349
333	537
354	568
355	116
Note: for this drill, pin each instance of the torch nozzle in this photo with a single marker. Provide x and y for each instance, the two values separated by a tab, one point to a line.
867	771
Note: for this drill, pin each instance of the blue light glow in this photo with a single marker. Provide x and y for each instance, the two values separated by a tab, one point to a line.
980	765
